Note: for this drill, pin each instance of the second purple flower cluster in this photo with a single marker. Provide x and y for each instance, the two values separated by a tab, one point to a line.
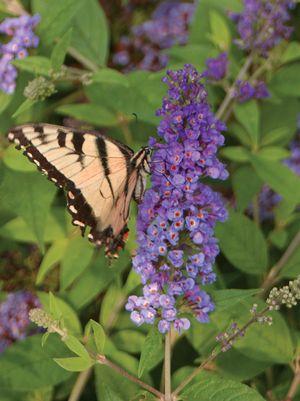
14	320
22	37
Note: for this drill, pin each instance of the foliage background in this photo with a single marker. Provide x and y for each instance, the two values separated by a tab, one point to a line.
41	251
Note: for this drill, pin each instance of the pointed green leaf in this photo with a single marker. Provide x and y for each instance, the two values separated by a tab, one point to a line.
51	258
91	33
243	244
77	256
29	195
99	336
152	351
210	387
279	177
60	49
75	346
73	364
248	116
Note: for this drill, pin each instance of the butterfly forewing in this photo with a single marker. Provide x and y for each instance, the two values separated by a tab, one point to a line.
95	170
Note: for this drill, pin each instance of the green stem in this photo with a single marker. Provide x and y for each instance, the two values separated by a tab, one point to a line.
230	93
80	384
167	367
90	65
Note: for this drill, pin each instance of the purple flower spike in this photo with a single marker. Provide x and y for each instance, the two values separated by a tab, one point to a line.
177	216
14	320
263	24
21	30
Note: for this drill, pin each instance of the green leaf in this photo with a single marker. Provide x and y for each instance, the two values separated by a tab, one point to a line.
225	299
243	244
75	346
113	77
110	306
30	196
60	49
276	116
235	153
194	54
26	366
38	65
76	364
274	136
77	256
26	105
279	238
15	160
200	24
237	366
95	279
286	81
292	52
56	17
91	113
249	117
274	153
18	230
246	184
152	351
51	258
91	34
279	177
220	33
210	387
99	335
64	312
5	100
134	346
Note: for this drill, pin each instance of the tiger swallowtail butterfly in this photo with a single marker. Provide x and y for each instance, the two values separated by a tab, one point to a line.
100	175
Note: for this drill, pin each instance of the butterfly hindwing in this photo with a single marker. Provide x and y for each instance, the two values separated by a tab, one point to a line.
94	170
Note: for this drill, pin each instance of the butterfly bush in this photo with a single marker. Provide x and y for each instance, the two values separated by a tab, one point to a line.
175	227
142	49
14	320
22	37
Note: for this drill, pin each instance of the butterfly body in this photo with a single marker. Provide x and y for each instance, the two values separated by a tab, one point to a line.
100	175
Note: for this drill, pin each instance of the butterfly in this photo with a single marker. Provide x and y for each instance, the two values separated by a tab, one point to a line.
101	176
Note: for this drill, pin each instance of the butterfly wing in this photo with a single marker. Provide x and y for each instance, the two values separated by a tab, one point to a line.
95	171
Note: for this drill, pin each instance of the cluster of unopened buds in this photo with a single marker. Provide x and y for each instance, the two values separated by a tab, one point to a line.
289	295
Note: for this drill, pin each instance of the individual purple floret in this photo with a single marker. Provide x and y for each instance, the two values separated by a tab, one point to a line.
21	31
14	320
176	219
142	49
263	24
217	67
245	91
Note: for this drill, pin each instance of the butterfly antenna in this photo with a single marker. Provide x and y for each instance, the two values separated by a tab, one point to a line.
136	117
